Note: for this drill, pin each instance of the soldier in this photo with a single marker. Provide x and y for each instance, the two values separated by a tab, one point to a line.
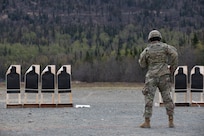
156	57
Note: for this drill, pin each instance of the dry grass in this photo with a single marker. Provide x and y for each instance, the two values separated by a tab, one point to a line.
76	84
106	84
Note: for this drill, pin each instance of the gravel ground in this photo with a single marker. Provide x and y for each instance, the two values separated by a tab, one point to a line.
114	111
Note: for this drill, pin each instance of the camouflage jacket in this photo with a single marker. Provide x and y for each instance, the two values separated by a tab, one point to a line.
156	57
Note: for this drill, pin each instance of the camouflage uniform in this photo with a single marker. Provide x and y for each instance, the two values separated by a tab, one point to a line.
156	57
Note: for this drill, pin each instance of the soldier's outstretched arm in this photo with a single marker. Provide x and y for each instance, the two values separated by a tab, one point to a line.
173	58
142	59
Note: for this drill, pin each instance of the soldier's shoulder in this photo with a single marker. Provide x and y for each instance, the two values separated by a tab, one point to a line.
164	44
169	46
172	47
146	48
144	52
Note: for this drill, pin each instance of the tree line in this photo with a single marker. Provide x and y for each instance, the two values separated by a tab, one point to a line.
98	53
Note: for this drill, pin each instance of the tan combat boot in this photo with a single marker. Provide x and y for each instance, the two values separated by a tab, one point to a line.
171	121
146	124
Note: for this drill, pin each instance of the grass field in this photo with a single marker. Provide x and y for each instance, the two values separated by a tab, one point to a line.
76	84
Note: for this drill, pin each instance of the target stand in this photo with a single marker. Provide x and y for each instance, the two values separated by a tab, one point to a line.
64	86
48	87
13	92
32	78
196	85
181	85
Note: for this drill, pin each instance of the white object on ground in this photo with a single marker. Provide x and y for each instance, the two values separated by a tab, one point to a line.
82	106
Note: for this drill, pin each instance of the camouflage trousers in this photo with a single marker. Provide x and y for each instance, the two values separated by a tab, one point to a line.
164	85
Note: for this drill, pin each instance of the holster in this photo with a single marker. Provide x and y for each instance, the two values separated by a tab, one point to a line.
145	91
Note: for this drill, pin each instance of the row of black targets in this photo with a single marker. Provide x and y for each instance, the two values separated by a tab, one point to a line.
195	85
46	81
196	79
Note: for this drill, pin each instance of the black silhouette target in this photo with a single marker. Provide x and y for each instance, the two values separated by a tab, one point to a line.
64	81
181	81
48	81
197	81
13	81
31	82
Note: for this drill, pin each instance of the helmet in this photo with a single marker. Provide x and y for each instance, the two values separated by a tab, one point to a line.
154	33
